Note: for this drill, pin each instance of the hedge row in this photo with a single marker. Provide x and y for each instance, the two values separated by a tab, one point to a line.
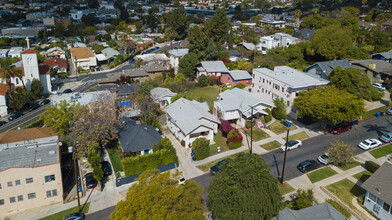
340	208
141	163
371	166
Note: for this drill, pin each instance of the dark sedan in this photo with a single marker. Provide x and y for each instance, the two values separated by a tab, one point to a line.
44	102
307	166
91	182
218	166
106	168
3	123
33	106
15	115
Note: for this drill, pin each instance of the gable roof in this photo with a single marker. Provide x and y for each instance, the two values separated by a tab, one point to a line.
214	66
44	69
240	74
381	66
189	115
134	137
379	183
323	211
179	52
386	55
58	62
82	52
328	66
159	93
29	51
110	52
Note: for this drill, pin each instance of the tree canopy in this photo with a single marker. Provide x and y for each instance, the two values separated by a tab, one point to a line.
218	26
58	117
159	196
197	40
177	21
340	153
244	189
187	65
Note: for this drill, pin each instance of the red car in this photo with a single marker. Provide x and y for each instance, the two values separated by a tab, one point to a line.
341	128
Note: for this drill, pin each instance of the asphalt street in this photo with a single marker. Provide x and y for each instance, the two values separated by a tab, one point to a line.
101	215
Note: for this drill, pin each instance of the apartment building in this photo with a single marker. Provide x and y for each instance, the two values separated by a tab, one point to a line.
276	40
283	82
30	172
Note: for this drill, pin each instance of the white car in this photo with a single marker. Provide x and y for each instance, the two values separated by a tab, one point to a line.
323	159
291	145
378	86
369	144
389	111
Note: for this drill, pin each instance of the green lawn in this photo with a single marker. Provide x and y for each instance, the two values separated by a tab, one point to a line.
285	188
298	136
381	151
116	161
64	213
208	94
372	113
258	134
349	166
321	174
346	191
271	145
278	128
206	167
362	176
219	141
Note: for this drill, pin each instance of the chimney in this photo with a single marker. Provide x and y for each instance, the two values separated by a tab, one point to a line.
372	66
28	42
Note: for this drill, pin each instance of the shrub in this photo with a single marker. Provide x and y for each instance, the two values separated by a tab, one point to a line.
233	145
340	208
240	86
234	136
304	199
225	128
371	166
201	148
95	160
249	124
182	143
279	111
268	117
203	81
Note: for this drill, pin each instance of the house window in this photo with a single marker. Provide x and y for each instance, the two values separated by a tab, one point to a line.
17	182
236	82
372	197
379	202
146	151
17	81
228	78
0	186
12	199
263	80
1	201
262	90
49	178
9	184
51	193
29	180
288	103
386	206
282	89
20	198
248	81
31	196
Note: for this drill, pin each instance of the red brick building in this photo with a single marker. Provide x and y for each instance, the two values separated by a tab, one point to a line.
235	77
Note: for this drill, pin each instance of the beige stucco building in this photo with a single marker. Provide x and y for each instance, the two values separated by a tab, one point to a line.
30	172
83	57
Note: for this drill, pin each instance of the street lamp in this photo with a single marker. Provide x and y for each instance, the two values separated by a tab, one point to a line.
73	150
287	124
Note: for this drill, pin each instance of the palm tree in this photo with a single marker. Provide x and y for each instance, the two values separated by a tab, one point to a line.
7	72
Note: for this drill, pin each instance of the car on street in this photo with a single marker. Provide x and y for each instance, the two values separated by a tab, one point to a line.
323	159
91	182
3	123
15	115
307	165
291	145
75	216
369	144
67	91
387	137
64	77
389	111
106	168
378	86
44	102
340	128
33	106
218	166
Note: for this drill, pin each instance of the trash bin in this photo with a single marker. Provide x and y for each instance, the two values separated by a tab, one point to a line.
377	114
382	113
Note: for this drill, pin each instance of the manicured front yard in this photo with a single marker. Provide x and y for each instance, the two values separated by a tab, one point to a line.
271	145
321	174
362	176
346	191
278	128
209	94
298	136
350	165
258	134
381	151
372	113
64	213
116	161
285	188
206	167
219	141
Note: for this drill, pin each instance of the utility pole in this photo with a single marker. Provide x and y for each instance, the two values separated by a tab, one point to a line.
288	124
76	174
251	130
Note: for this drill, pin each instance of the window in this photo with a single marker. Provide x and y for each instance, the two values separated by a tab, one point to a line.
386	206
17	182
1	201
31	196
372	197
0	186
282	89
17	81
262	90
51	193
253	85
12	199
288	103
29	180
146	151
263	80
248	81
379	201
49	178
20	198
253	75
9	184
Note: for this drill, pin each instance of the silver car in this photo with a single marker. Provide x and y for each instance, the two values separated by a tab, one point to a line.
323	159
389	111
387	137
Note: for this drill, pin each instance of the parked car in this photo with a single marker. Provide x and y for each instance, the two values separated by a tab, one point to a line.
67	91
44	102
341	128
3	123
75	216
369	144
389	111
15	115
91	182
387	137
106	168
291	145
33	106
307	165
323	159
64	77
218	166
378	86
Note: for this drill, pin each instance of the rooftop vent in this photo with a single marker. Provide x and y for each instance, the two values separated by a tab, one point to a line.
52	152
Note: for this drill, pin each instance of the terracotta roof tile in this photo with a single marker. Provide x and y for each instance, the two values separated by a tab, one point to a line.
56	61
44	70
29	51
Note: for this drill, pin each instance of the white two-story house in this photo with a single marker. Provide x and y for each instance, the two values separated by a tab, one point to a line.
276	40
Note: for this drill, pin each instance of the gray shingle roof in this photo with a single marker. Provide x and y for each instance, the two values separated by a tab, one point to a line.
159	93
179	52
110	52
381	65
240	74
154	68
386	55
189	115
323	211
380	181
328	66
134	137
291	77
214	66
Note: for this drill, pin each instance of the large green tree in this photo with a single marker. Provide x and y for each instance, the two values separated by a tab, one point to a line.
211	51
187	65
218	26
159	196
20	99
197	40
177	21
244	189
329	104
340	153
59	117
36	89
